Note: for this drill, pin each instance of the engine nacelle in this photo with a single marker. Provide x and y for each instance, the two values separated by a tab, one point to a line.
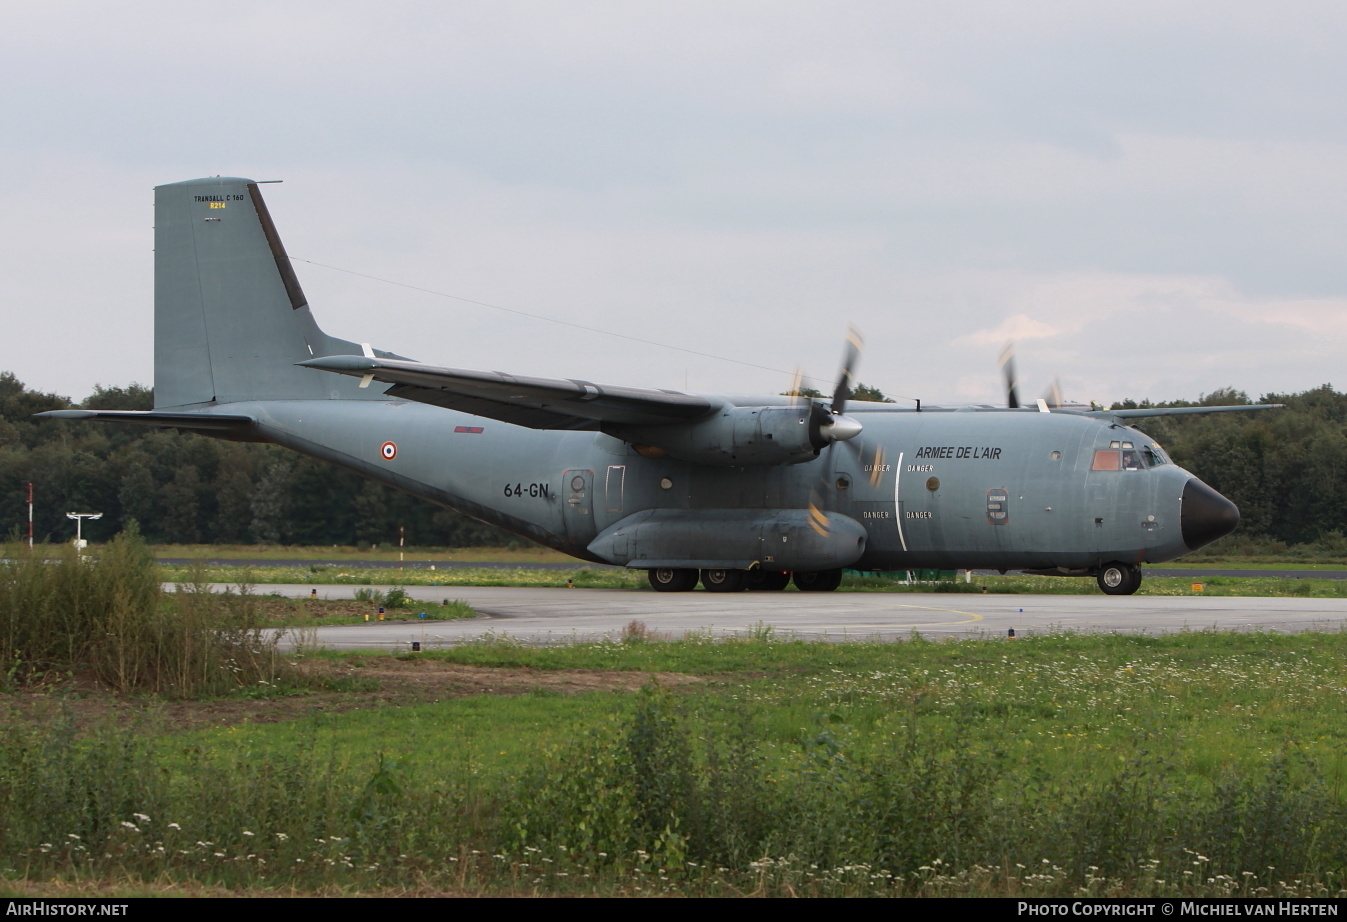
736	435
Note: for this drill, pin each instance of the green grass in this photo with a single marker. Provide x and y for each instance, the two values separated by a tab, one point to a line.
278	611
1253	563
583	577
519	552
587	578
478	736
1193	764
1202	763
1250	554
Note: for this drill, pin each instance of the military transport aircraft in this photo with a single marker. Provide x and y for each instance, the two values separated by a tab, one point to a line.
737	492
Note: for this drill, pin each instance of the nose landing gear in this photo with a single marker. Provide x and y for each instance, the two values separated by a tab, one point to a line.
1117	578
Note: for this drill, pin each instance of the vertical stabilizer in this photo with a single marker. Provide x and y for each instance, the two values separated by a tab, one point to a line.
230	318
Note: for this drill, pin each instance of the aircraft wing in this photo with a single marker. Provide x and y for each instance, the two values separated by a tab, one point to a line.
1141	413
195	422
537	403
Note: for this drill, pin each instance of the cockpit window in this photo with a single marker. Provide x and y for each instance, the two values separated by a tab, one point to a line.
1107	459
1129	456
1122	459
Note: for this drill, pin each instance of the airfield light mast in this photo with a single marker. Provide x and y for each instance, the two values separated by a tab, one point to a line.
30	516
79	518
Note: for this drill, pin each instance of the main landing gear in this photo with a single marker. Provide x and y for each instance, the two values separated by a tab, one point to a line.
1117	578
671	579
724	580
668	579
766	580
818	580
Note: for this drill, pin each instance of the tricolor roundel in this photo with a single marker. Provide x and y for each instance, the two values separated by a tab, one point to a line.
389	450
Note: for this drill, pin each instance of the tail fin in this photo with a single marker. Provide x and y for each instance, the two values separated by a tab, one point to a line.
230	318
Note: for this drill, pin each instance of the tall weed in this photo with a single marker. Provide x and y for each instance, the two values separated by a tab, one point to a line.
106	617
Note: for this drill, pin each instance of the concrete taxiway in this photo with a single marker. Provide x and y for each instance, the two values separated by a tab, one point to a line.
571	615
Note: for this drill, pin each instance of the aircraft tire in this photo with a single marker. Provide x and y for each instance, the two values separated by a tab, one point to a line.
669	579
1119	578
818	580
766	580
723	580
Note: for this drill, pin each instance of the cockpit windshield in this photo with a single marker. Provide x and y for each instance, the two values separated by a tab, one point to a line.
1128	456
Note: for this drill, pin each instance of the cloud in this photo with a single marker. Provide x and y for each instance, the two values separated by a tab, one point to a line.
1018	328
1146	196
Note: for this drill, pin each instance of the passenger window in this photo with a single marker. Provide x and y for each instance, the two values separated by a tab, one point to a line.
1106	459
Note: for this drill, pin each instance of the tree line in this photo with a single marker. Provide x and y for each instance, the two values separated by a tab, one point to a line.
1285	469
188	489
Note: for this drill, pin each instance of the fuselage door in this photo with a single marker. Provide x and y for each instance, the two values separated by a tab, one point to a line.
613	485
577	488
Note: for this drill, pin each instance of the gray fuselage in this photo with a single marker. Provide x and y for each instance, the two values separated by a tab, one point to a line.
962	488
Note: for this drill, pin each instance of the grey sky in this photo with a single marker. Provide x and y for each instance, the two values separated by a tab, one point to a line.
1149	197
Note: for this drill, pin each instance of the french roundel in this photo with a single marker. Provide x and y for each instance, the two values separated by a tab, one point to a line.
389	450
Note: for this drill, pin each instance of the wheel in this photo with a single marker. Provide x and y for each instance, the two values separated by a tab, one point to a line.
765	580
1119	578
818	580
668	579
723	580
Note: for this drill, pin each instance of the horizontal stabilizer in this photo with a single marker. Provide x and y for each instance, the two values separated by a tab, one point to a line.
538	403
197	422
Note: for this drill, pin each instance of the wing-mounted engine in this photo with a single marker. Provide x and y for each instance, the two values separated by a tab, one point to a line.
737	435
755	434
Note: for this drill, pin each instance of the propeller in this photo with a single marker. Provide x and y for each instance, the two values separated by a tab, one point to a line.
835	426
796	386
1007	359
838	427
1052	397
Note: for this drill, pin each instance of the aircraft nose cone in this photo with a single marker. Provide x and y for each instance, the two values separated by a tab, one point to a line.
1206	516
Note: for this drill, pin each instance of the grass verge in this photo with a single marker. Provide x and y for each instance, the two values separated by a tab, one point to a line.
1199	764
587	578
